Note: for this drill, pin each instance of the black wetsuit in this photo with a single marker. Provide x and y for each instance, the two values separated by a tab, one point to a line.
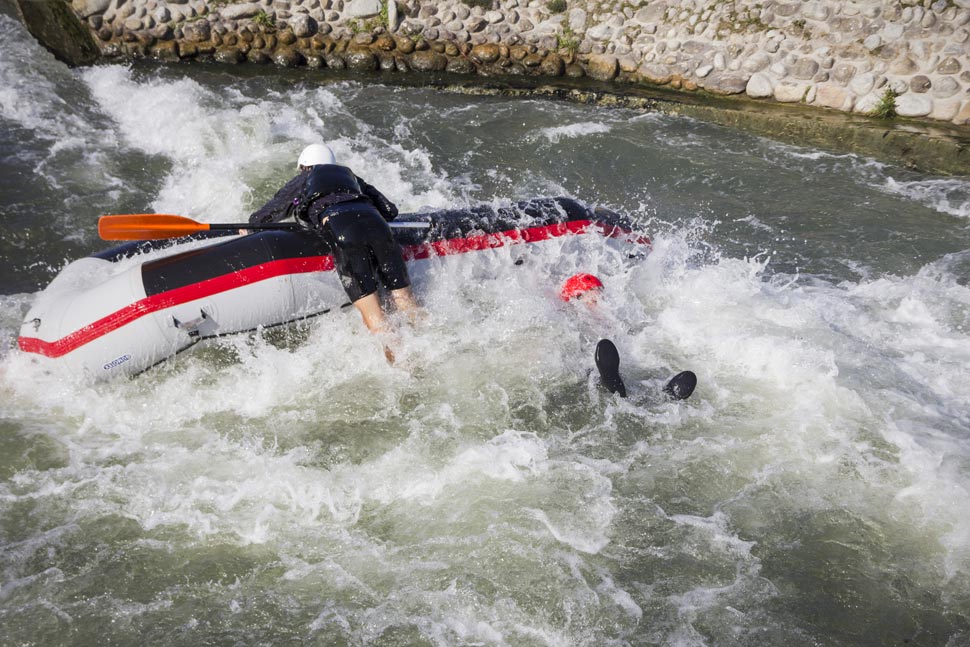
354	219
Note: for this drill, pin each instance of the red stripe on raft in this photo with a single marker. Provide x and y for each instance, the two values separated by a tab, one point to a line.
171	298
513	236
273	269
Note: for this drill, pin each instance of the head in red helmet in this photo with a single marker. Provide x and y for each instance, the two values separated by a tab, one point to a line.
580	286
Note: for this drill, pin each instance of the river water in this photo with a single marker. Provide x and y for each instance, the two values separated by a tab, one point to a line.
291	488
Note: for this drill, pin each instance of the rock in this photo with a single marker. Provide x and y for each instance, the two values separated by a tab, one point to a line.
287	57
963	116
704	70
863	83
949	65
166	51
196	32
335	62
485	53
892	31
412	27
577	20
945	110
460	66
815	11
575	71
429	61
362	8
601	31
163	32
257	56
87	8
360	60
872	42
303	25
133	24
804	68
868	103
628	64
695	47
725	84
552	65
913	105
124	11
602	67
385	43
790	92
475	24
843	73
945	87
904	66
655	73
230	55
494	17
920	83
759	86
756	63
239	11
833	96
786	9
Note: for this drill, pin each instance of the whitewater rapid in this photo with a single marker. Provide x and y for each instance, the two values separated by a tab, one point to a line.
290	487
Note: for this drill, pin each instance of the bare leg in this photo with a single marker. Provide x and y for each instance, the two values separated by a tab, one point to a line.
405	302
370	311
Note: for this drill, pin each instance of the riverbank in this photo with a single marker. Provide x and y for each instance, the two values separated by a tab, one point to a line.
910	58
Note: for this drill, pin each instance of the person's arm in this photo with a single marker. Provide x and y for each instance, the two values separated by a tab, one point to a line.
282	205
387	208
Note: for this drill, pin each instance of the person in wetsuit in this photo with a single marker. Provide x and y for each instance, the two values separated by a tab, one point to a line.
352	217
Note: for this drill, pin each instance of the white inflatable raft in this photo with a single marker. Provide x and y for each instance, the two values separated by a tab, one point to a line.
128	308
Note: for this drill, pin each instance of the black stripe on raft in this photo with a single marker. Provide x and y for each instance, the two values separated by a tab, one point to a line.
195	266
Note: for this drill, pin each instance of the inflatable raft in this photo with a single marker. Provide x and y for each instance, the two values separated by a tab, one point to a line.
126	309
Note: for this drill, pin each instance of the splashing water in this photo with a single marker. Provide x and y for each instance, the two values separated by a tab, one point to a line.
289	487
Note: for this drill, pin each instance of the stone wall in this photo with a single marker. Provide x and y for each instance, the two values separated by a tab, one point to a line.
845	56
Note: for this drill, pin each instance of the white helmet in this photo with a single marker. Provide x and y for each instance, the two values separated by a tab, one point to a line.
315	154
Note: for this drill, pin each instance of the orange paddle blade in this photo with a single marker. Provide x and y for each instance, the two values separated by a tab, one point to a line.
147	226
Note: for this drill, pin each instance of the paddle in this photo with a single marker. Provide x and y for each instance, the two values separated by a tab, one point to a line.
153	226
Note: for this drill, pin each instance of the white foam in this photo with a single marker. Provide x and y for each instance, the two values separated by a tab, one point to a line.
584	129
949	196
223	145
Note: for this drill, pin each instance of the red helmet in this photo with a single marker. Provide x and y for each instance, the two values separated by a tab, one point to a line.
578	285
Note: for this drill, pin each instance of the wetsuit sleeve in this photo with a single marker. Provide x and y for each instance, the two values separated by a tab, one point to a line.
283	204
387	208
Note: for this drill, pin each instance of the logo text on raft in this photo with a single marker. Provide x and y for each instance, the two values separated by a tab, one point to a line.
116	362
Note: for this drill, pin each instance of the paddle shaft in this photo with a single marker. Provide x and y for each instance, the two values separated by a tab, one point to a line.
155	226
